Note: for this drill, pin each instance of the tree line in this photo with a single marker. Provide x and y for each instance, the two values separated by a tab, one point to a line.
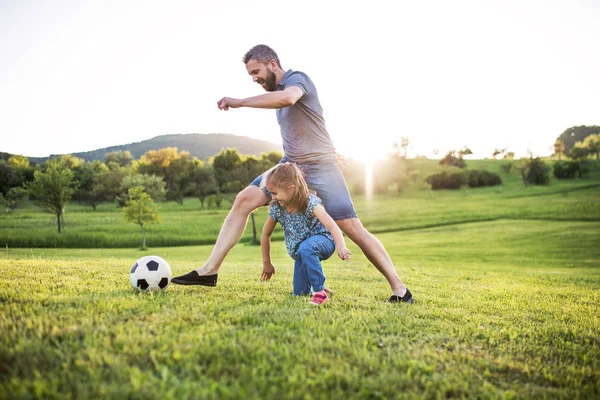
164	174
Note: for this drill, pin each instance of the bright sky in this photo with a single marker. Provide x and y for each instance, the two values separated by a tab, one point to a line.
81	75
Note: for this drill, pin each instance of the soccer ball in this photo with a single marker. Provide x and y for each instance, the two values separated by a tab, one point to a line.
150	273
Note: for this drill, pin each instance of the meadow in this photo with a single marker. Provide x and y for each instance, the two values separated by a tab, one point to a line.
506	279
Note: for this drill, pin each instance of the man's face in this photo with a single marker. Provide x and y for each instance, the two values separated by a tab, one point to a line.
262	74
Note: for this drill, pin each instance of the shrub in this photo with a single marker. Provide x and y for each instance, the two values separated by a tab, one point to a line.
569	169
446	180
481	178
535	171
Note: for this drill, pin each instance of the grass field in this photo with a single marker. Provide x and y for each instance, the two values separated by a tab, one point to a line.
415	208
508	306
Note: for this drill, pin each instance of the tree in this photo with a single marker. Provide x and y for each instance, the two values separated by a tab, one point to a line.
559	148
141	210
153	186
403	144
465	151
89	177
577	134
52	189
497	152
579	152
13	198
534	171
18	161
9	177
224	164
174	167
109	183
203	179
592	143
509	155
451	159
122	158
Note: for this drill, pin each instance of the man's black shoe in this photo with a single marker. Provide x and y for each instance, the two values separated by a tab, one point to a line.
406	299
193	278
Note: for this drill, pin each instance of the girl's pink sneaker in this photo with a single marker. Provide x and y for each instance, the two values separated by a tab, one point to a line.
319	298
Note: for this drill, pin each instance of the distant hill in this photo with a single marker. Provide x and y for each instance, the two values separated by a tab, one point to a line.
198	145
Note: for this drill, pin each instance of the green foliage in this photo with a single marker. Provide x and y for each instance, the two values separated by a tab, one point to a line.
415	208
577	134
203	182
154	186
53	188
141	210
481	178
446	180
592	143
579	152
224	164
13	198
9	177
89	177
120	158
534	171
569	169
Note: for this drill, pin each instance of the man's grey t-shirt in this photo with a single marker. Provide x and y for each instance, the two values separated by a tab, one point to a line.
305	138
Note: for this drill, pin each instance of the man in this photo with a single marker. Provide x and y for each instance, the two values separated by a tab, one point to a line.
306	143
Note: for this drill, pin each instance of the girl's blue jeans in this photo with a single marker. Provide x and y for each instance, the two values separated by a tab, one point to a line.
308	271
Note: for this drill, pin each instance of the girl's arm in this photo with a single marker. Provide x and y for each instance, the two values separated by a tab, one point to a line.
335	231
265	247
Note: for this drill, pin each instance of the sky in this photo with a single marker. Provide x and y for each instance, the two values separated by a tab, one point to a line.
82	75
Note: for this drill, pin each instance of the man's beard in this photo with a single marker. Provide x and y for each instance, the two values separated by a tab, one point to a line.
270	85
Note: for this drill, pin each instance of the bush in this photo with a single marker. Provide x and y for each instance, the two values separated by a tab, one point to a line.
569	169
536	172
445	180
481	178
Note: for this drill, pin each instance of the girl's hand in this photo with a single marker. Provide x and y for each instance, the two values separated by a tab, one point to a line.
344	253
268	271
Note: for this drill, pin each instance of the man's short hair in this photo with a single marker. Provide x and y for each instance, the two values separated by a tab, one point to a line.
262	53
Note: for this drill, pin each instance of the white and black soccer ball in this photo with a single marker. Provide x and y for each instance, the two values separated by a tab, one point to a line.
150	273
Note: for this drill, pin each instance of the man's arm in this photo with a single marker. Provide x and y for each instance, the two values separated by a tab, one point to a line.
265	247
278	99
335	231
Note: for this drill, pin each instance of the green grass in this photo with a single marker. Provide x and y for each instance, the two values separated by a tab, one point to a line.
506	282
506	309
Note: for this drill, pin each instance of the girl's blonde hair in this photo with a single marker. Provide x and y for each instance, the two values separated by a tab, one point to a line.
286	174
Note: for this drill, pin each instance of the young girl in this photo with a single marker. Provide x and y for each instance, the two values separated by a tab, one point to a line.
311	235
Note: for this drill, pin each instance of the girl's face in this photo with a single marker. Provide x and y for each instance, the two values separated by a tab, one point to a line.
281	194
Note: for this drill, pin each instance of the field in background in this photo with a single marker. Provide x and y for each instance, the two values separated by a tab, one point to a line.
416	207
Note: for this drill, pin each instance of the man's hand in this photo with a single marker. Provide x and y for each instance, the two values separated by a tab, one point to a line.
228	102
344	253
268	271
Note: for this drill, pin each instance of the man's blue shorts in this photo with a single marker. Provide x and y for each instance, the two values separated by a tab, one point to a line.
330	186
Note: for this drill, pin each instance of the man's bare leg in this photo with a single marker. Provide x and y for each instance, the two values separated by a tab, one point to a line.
374	251
245	202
